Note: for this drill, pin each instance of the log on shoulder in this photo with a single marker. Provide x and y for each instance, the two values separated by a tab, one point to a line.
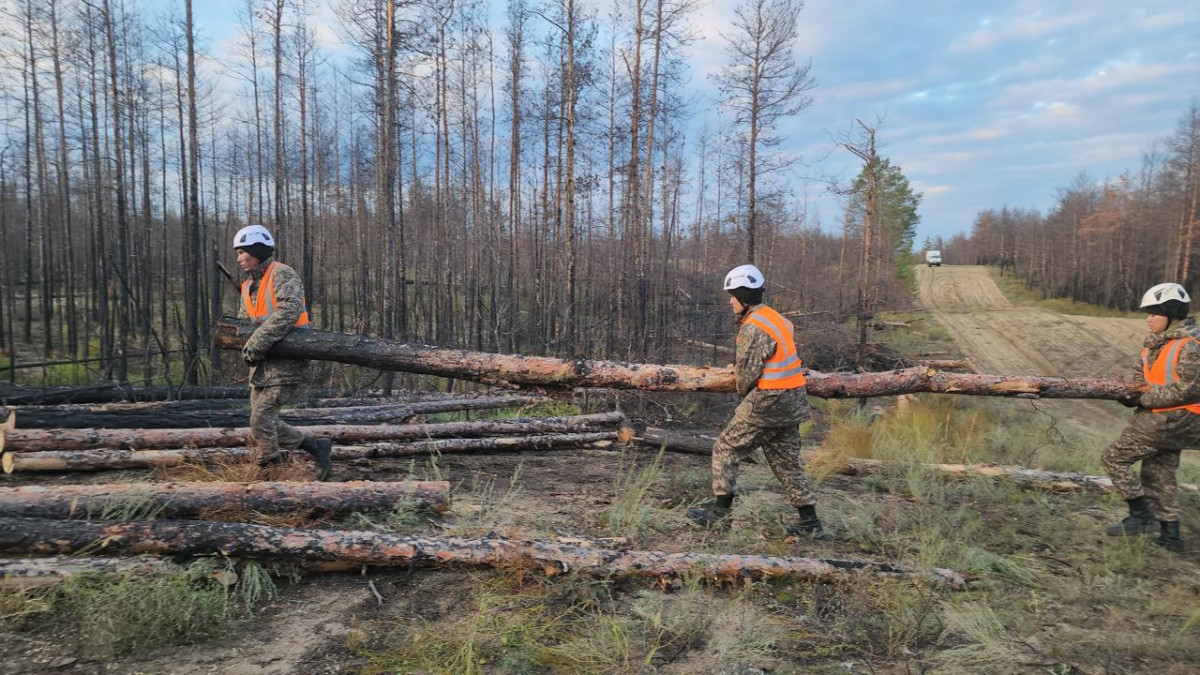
188	500
30	536
543	371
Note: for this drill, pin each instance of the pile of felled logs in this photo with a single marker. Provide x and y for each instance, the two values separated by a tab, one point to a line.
51	532
79	437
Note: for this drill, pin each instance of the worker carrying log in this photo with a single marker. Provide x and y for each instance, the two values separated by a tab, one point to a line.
770	379
273	297
1166	421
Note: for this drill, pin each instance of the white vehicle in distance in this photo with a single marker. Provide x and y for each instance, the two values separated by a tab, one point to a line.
933	258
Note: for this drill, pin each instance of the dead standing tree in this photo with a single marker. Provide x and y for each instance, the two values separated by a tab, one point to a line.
864	149
763	84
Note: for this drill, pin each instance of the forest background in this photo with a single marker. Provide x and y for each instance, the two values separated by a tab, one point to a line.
537	184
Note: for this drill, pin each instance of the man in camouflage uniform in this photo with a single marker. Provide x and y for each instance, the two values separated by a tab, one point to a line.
773	406
1166	421
278	307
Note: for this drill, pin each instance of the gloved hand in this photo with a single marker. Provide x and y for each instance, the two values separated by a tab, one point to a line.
251	356
1130	402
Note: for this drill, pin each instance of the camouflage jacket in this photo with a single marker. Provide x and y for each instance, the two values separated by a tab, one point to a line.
272	371
763	407
1177	429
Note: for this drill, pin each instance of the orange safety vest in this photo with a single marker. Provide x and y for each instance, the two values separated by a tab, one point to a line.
260	307
1162	372
784	369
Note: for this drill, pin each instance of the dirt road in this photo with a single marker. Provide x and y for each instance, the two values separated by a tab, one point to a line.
1000	337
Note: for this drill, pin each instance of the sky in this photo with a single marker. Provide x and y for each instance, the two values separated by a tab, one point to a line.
983	103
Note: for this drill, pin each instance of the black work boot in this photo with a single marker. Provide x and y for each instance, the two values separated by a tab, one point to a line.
715	513
809	524
1140	520
321	450
1168	537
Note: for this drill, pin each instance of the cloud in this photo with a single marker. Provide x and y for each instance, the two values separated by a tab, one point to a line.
928	190
1107	79
325	26
1022	28
1167	20
869	90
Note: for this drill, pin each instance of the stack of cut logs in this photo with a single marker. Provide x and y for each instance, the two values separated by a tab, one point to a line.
91	430
148	435
136	522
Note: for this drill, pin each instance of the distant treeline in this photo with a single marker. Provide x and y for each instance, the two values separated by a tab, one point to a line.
1104	243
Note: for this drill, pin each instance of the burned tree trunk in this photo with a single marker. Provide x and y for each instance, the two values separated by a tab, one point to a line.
482	445
549	372
189	500
111	393
693	443
100	460
1054	481
30	536
40	440
20	573
32	418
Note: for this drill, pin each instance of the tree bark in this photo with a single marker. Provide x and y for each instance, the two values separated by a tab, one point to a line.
100	460
31	418
31	536
190	500
23	573
37	440
472	445
1054	481
550	372
112	393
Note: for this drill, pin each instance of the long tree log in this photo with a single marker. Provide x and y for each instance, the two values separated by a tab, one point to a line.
944	364
477	445
101	460
22	573
28	536
32	418
40	440
188	500
309	400
1056	481
550	372
112	393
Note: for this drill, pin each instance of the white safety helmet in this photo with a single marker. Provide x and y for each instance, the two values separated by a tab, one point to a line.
251	235
1164	292
744	276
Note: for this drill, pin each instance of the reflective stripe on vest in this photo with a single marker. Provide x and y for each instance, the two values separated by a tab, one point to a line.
784	369
263	305
1163	371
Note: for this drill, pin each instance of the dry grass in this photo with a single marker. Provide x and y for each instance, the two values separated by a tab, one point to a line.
240	470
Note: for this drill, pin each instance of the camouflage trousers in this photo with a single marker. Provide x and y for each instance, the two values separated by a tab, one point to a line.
1157	482
781	445
268	433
